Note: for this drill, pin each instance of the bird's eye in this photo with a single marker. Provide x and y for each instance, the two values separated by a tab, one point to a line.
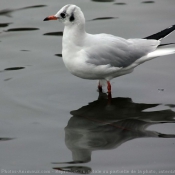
63	15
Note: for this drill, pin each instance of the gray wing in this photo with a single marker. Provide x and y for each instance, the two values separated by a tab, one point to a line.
118	52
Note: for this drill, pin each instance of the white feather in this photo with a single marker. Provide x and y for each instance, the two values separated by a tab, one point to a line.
102	56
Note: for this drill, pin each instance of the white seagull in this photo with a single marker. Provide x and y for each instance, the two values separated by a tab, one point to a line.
103	56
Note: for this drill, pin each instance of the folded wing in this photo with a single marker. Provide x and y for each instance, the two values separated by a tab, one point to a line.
118	52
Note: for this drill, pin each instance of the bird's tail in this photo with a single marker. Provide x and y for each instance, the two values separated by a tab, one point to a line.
162	51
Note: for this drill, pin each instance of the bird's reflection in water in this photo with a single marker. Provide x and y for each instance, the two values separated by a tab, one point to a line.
99	126
5	139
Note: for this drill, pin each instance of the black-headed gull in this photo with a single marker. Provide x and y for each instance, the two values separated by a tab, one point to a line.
103	56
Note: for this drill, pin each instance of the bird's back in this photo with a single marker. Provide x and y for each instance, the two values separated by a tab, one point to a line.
104	49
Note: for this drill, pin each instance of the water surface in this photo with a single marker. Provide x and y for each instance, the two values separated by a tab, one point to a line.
52	121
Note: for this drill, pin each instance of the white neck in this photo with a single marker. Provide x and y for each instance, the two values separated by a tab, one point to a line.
75	31
74	34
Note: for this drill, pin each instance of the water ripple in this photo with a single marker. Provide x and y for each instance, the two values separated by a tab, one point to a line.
103	18
120	3
4	24
14	68
21	29
148	2
58	55
103	0
7	12
54	33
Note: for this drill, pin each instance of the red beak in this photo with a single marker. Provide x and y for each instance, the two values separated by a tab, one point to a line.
50	18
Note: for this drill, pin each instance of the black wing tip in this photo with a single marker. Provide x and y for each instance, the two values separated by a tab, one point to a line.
161	34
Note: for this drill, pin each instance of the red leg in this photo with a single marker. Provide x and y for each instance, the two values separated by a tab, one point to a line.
109	91
109	86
